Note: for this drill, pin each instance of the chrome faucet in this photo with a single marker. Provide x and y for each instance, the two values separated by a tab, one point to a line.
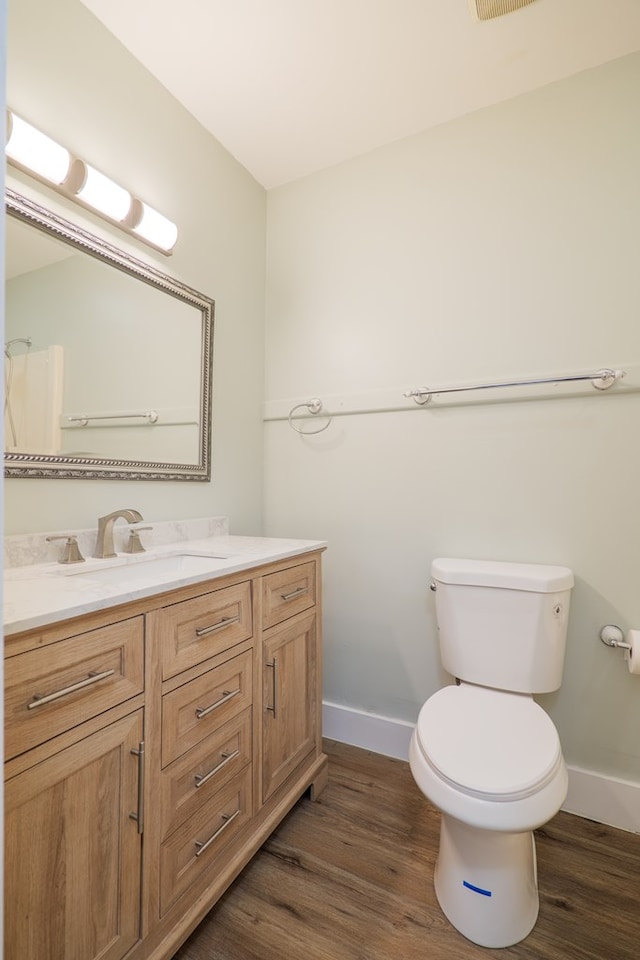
104	543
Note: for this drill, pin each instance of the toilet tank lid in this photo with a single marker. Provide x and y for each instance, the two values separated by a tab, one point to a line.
534	577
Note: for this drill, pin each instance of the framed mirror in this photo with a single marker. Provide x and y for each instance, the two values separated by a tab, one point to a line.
108	361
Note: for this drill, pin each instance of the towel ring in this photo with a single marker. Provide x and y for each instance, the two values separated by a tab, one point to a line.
314	407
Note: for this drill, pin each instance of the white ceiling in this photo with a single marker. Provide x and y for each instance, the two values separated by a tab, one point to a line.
292	86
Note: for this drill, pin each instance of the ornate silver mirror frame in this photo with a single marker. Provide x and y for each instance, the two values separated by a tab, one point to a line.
87	466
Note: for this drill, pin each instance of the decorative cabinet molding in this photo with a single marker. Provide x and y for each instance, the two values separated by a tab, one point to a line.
191	719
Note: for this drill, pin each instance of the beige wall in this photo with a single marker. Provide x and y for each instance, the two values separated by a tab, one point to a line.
69	76
502	245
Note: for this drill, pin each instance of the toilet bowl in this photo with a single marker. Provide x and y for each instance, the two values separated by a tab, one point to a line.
492	759
491	762
483	751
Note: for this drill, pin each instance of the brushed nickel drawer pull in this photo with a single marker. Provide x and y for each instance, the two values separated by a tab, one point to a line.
226	758
225	622
274	707
226	696
39	701
139	815
228	819
294	593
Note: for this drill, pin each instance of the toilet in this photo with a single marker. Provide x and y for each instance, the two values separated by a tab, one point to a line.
483	751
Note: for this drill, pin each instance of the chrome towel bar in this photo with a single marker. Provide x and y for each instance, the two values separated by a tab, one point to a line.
601	380
390	401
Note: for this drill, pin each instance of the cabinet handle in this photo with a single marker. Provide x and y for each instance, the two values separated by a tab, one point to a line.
139	816
226	695
225	622
226	758
39	701
274	707
201	846
294	593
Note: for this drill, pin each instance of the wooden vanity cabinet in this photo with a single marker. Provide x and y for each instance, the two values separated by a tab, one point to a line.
169	737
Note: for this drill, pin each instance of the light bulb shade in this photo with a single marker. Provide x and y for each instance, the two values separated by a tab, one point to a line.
103	195
37	152
156	229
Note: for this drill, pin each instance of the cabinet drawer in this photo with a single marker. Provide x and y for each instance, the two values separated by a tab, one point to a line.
192	712
194	630
193	779
288	592
54	688
202	838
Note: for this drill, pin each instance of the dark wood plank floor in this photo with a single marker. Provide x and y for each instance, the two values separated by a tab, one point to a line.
349	877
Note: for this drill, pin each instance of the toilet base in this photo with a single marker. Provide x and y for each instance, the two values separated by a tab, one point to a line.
486	883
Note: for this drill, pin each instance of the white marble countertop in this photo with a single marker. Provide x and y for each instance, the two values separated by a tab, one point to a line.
39	594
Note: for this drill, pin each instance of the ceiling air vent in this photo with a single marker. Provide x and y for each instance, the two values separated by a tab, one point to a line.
489	9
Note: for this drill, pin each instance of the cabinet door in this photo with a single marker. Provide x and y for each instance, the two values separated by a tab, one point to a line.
289	699
72	851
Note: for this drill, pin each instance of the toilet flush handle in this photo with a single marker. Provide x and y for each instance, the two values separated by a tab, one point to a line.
432	586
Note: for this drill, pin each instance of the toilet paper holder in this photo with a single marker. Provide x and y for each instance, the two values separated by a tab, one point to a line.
614	637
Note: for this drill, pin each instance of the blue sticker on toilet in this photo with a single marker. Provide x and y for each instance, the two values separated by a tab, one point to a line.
471	886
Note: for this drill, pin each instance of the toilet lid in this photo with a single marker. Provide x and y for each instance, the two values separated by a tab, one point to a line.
489	743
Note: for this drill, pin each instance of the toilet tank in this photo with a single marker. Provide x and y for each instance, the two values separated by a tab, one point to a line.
502	625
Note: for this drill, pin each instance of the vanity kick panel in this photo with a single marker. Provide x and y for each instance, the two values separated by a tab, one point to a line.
195	630
58	686
196	709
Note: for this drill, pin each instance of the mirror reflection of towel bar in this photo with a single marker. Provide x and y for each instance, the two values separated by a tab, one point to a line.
150	415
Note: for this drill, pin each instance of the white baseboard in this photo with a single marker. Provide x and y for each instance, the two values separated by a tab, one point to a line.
367	730
592	795
603	798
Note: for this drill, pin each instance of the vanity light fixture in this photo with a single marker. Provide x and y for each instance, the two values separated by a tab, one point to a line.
43	158
41	155
152	226
100	193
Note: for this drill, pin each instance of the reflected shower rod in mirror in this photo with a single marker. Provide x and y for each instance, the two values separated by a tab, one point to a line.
43	158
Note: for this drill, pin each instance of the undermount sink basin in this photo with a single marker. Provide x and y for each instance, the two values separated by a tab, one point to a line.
183	564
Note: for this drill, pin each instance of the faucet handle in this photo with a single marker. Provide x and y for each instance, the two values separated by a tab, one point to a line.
134	544
71	552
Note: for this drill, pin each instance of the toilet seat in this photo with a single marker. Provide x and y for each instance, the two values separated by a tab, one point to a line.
489	744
